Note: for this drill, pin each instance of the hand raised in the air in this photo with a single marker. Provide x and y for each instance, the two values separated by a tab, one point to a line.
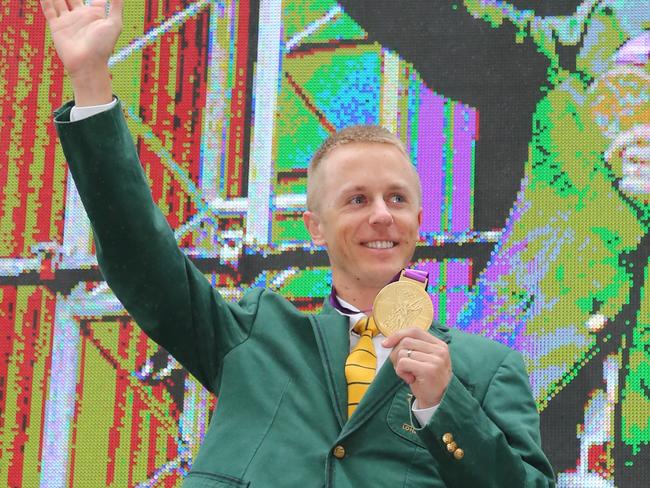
84	37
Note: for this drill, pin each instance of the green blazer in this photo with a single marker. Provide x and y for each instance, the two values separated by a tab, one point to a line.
279	373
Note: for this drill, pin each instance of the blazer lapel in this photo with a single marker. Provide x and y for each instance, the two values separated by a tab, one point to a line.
332	331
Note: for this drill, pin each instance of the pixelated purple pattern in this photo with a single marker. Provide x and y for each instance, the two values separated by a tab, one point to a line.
464	136
431	140
432	163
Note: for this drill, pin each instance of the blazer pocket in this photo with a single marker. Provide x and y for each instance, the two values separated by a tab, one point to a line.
399	417
199	479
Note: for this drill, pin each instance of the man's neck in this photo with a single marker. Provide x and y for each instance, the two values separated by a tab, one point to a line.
359	296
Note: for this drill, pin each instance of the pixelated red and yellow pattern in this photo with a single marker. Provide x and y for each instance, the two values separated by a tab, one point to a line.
124	430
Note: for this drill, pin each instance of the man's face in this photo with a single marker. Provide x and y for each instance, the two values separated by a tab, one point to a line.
367	213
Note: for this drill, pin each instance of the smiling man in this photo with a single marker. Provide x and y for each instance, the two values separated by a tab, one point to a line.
304	400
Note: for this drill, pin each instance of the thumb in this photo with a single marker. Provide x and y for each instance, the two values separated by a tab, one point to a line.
391	341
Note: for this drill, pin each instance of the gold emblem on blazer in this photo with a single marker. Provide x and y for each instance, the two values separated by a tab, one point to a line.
402	304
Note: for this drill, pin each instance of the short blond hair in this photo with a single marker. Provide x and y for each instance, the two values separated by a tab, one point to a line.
349	135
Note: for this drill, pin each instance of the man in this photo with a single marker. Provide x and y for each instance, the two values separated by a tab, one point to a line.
442	408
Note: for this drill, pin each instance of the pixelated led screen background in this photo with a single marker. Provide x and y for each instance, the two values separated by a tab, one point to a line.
526	234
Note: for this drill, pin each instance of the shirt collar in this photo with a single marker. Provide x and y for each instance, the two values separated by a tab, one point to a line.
350	311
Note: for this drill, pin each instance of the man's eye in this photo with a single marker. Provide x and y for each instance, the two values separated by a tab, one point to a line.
356	200
398	199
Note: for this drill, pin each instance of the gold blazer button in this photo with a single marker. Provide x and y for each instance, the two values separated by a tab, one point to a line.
339	452
458	454
447	438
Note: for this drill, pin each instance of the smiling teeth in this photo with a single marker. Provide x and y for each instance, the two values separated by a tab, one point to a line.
380	244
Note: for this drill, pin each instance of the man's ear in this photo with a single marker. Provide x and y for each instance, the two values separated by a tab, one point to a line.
312	222
420	218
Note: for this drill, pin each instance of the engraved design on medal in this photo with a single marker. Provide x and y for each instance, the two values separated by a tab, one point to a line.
406	310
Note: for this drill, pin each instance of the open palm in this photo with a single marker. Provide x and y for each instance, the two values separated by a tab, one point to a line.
83	35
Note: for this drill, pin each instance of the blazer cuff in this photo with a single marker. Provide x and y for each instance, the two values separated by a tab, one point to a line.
80	113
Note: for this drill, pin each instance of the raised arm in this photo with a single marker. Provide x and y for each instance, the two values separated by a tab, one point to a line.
137	252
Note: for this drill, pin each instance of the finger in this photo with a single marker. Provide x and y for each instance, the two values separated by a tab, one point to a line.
395	338
409	343
60	6
75	4
430	367
420	356
420	351
117	9
48	10
427	352
402	371
410	368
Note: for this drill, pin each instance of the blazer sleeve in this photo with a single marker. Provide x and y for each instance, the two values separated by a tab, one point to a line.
499	436
164	292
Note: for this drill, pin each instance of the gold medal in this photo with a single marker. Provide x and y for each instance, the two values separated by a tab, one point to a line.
402	304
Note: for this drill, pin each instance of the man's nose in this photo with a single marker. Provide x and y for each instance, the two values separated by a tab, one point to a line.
380	213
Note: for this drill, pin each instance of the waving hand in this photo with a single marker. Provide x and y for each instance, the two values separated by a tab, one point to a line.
84	37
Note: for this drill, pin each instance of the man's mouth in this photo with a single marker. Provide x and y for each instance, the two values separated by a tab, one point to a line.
380	244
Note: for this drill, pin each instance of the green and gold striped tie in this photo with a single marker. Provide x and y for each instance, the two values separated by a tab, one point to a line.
361	364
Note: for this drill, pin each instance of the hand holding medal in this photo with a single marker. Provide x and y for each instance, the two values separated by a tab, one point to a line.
403	312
